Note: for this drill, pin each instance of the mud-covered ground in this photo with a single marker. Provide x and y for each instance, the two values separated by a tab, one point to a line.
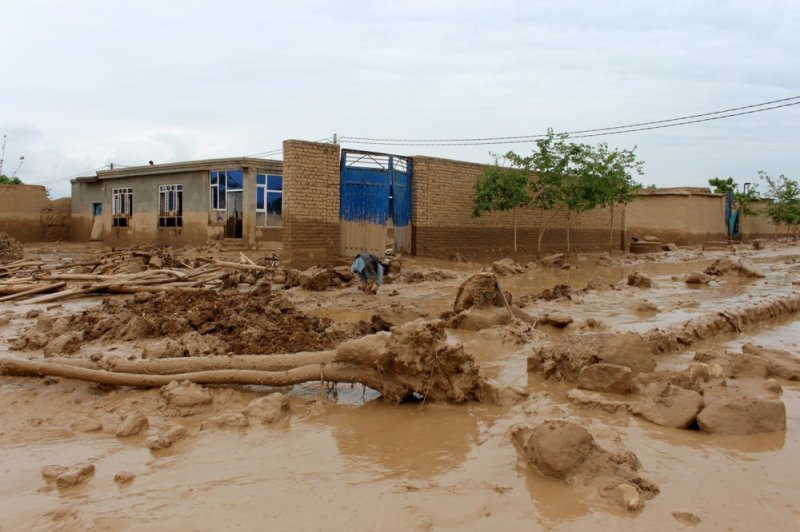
244	457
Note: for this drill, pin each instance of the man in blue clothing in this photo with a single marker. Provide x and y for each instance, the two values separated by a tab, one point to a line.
370	272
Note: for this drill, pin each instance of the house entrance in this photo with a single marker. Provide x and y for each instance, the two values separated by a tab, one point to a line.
233	218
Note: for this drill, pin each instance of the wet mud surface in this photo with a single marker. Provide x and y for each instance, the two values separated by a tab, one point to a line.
217	457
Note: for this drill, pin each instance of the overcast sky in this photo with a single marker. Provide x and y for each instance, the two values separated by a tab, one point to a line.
89	82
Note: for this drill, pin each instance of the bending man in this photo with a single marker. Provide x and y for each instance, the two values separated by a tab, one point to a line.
370	272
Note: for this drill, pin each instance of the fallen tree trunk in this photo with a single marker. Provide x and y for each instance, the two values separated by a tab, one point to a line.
415	359
330	373
171	366
240	266
36	290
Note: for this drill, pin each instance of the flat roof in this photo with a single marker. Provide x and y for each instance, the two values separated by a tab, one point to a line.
184	166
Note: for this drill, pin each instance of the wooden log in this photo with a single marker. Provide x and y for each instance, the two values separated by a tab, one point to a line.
75	277
167	366
135	289
21	264
36	290
8	289
246	259
67	265
333	373
64	294
239	266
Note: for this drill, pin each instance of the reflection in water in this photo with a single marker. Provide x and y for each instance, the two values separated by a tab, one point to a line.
556	501
406	439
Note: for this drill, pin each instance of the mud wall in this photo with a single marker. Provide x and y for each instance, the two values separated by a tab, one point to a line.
682	218
27	214
443	192
689	217
758	225
310	202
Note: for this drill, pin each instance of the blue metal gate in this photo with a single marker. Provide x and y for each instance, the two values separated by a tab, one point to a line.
375	202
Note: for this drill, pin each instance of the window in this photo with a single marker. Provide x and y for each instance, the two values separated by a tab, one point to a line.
122	206
222	181
269	200
170	205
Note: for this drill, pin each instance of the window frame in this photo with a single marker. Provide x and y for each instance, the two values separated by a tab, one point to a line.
176	214
218	191
121	207
264	188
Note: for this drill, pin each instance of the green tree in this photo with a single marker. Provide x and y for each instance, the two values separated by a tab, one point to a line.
5	180
550	165
610	173
722	186
785	196
502	188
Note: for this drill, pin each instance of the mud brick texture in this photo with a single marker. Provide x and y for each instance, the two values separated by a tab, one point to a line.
443	194
310	202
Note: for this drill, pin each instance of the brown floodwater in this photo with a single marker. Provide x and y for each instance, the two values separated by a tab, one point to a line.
353	462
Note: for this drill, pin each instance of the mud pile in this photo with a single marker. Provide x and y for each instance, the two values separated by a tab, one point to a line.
567	451
559	291
199	322
10	248
734	265
565	360
712	324
419	275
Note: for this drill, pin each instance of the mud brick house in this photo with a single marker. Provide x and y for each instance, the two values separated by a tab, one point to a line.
323	202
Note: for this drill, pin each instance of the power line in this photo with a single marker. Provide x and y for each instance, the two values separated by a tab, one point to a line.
671	122
275	151
60	179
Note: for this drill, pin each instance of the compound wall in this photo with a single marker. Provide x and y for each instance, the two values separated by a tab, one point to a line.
27	214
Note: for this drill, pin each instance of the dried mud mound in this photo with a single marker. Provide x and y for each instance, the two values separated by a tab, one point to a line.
204	321
567	451
565	360
10	248
711	324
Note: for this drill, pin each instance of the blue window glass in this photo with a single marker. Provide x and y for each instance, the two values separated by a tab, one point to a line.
261	179
214	177
260	198
275	182
235	179
274	202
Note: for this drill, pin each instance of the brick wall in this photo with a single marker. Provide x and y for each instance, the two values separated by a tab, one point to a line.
443	192
310	202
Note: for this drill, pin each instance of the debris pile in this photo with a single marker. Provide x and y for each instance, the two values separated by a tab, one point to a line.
10	248
197	322
153	269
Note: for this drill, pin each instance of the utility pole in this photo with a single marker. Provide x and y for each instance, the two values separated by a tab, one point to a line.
3	155
21	160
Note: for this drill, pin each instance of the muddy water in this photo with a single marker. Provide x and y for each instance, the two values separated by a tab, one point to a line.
354	462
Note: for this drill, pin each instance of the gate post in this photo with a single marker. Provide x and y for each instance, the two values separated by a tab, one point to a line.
310	202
